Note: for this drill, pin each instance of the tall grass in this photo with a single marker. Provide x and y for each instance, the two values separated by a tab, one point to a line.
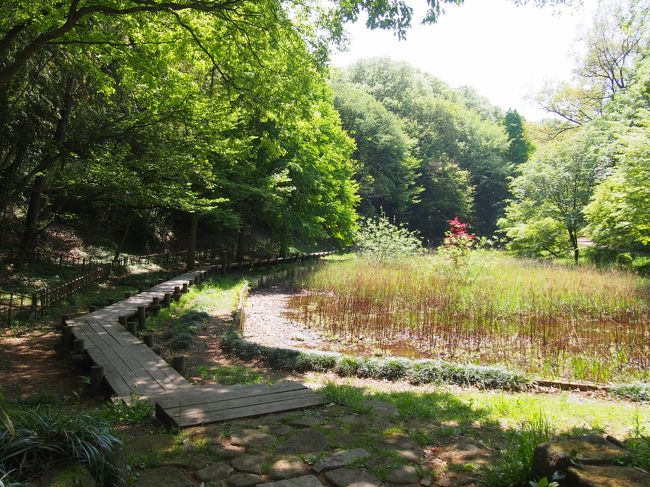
555	320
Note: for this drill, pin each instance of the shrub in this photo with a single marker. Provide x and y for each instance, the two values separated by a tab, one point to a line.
639	391
379	240
182	330
45	435
392	368
515	464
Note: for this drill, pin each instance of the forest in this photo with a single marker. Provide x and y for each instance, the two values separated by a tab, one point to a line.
226	260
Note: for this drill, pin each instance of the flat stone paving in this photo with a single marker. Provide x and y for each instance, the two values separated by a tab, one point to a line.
322	447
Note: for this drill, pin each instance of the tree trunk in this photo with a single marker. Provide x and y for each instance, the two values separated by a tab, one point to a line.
241	246
35	200
573	237
191	250
120	245
28	241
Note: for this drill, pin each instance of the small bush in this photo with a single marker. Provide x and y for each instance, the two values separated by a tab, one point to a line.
515	464
182	330
379	240
138	412
415	371
45	435
639	391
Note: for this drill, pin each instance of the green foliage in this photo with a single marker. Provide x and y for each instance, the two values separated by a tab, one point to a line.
514	466
386	169
552	190
138	412
460	144
230	375
638	391
379	240
180	333
520	147
46	435
417	372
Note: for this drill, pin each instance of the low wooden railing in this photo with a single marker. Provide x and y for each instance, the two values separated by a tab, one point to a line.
37	303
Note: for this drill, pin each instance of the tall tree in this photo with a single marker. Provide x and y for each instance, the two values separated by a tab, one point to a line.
386	170
552	191
520	148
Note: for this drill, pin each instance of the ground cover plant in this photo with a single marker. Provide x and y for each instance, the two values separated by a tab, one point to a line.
548	319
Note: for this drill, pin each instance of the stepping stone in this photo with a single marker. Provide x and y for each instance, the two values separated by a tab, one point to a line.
340	459
304	442
606	476
249	463
252	438
280	429
286	469
345	477
306	422
587	450
167	476
404	475
405	447
190	460
216	471
381	408
226	452
241	480
304	481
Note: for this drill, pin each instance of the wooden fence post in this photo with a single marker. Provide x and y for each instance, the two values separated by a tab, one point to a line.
224	262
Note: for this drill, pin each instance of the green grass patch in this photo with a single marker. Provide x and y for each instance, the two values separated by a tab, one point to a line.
235	374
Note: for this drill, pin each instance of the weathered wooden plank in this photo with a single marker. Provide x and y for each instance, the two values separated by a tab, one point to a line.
215	393
115	380
150	378
229	414
115	361
157	367
144	355
237	403
138	378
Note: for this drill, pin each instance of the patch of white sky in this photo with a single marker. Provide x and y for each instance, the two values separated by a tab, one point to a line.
507	53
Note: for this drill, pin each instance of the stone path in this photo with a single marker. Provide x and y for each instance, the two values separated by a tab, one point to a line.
331	446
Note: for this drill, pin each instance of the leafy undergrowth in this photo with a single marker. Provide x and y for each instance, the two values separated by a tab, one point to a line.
231	375
414	371
45	435
638	391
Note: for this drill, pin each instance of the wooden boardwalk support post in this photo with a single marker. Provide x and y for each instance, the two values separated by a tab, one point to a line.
167	300
178	363
142	317
122	320
148	340
96	378
155	306
184	290
177	293
132	326
78	346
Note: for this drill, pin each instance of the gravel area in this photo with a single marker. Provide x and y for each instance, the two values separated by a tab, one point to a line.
269	323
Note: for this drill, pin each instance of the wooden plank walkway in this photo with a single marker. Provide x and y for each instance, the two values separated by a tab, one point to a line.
131	369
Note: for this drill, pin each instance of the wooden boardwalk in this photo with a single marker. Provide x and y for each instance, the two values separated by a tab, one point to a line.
131	369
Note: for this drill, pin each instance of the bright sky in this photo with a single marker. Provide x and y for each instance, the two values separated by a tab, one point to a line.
505	52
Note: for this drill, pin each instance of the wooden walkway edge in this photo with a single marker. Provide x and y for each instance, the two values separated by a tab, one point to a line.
132	370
